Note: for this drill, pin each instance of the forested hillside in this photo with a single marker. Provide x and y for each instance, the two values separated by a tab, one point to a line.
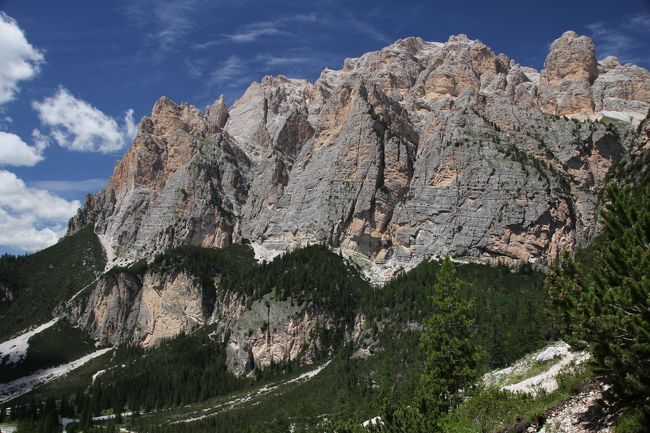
34	285
384	359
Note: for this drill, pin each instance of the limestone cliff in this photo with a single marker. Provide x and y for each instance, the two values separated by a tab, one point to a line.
415	150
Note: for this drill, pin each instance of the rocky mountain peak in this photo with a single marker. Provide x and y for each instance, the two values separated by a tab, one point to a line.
570	69
217	113
418	149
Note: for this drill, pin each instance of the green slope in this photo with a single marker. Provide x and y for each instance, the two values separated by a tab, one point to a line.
44	280
187	374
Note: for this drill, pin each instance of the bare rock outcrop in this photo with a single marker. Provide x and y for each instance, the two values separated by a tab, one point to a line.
182	181
569	71
416	150
122	309
275	332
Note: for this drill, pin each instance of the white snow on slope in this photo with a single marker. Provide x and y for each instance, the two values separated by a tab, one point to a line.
16	348
18	387
96	375
7	428
112	416
625	116
253	395
265	254
559	357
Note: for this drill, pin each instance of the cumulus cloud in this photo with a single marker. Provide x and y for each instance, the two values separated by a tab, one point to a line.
19	60
76	125
31	218
22	233
14	151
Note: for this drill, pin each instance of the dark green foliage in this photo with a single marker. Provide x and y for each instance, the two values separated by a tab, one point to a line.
235	262
450	345
636	420
60	344
509	306
180	371
312	274
606	301
44	280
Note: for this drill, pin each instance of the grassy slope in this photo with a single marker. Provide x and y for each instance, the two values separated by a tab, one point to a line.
43	280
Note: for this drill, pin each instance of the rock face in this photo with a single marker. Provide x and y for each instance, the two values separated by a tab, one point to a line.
168	190
275	332
127	309
569	71
124	309
416	150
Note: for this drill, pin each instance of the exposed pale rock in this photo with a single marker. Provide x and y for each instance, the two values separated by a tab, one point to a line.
217	113
122	309
569	70
622	88
416	150
179	183
275	332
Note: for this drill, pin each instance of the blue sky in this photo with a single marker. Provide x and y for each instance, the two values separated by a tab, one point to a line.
98	67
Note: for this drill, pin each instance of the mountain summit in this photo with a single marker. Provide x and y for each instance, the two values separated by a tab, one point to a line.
419	149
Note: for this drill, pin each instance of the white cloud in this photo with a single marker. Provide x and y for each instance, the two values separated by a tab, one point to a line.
22	233
625	40
76	125
14	151
233	68
19	60
31	218
130	128
255	31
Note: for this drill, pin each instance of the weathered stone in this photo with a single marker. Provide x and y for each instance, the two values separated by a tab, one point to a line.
569	70
420	149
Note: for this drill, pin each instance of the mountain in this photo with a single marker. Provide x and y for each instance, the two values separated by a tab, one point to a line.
273	265
419	149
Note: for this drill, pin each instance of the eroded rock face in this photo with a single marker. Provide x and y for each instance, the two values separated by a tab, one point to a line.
122	309
416	150
569	71
275	332
127	309
183	181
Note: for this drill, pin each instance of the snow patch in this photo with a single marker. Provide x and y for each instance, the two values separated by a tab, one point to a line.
14	350
624	116
18	387
111	259
263	253
112	416
108	250
548	354
96	375
544	381
373	422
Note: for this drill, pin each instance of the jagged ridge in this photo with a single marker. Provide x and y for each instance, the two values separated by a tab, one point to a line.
416	150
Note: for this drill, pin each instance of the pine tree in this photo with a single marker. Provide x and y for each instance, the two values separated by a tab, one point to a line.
607	303
619	325
449	343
